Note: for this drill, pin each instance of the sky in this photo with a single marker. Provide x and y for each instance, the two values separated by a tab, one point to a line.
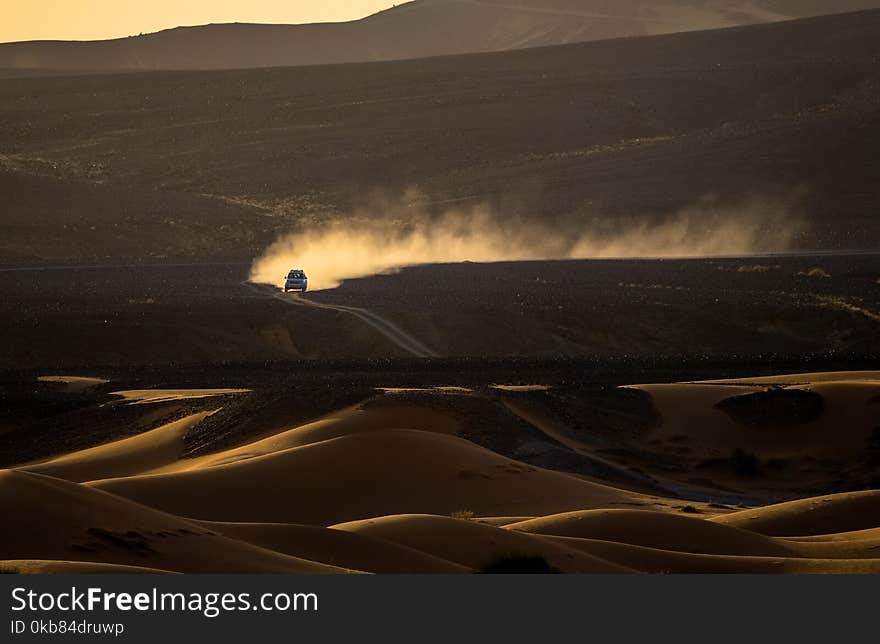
97	19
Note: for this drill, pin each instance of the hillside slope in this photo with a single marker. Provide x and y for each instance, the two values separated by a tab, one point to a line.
218	163
412	30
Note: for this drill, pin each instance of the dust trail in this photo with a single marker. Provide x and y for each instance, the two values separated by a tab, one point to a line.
369	243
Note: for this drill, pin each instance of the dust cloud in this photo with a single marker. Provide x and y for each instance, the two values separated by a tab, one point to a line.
369	243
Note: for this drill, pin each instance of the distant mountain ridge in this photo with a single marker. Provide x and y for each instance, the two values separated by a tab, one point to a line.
416	29
219	163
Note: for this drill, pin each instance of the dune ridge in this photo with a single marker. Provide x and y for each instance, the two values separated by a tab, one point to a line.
798	430
351	477
474	544
851	511
153	450
66	521
395	488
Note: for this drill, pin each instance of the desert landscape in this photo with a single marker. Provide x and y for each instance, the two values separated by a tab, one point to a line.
593	288
461	477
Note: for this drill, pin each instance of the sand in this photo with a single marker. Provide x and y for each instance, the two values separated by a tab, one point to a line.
364	475
808	453
684	534
143	396
521	388
64	521
50	567
337	547
659	530
806	378
353	420
148	452
475	545
396	489
74	384
815	516
655	561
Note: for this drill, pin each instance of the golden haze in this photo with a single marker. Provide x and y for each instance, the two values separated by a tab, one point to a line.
100	19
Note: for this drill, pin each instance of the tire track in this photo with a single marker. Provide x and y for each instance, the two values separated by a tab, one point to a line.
387	328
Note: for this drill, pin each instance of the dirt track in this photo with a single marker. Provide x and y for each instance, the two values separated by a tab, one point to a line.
390	330
180	313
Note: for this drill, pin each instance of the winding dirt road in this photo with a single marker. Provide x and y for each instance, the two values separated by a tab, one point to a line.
387	328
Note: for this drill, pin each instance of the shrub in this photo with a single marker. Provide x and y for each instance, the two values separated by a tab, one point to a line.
815	271
756	268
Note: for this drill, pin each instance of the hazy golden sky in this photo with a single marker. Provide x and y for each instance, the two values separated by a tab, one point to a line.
93	19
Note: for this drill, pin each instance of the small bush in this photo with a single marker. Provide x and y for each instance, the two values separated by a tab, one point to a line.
519	565
465	515
689	509
815	271
756	268
745	463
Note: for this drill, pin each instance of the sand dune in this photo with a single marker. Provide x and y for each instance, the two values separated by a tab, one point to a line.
501	521
393	489
856	535
52	567
794	432
658	530
845	549
74	383
815	516
161	450
337	547
677	533
138	396
843	427
804	378
366	475
65	521
147	452
344	422
475	545
652	560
